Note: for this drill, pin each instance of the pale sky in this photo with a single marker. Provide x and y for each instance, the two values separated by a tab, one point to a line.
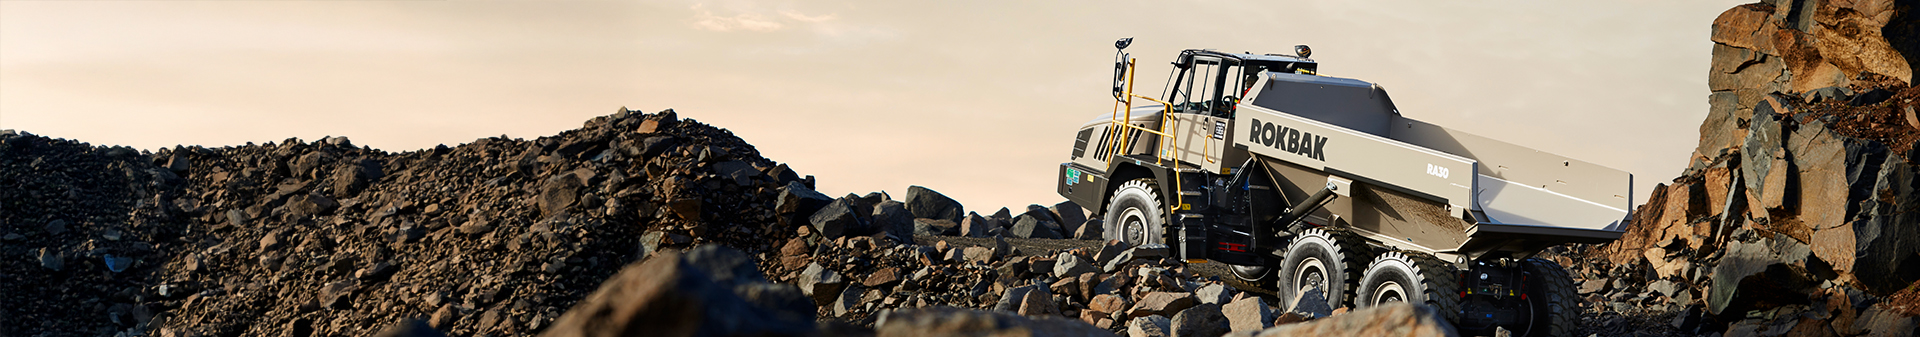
976	99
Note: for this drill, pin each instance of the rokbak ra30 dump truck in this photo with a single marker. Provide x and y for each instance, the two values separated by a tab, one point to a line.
1307	182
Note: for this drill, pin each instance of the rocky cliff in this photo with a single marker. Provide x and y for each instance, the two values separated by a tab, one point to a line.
1797	214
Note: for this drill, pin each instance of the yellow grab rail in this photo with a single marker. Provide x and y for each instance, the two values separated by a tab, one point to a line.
1116	120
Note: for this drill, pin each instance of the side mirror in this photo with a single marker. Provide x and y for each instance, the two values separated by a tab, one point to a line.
1123	43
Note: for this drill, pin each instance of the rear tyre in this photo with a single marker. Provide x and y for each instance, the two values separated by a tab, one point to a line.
1317	258
1550	291
1134	213
1411	277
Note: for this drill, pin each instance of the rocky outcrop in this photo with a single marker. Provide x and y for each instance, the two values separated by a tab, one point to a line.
1799	193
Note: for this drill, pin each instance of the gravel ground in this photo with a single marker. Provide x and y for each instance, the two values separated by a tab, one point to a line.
1593	322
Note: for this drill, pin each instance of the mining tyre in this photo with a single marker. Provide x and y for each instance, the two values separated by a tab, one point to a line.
1134	213
1330	260
1550	292
1411	277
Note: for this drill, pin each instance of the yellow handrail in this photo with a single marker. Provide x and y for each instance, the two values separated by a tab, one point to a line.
1167	122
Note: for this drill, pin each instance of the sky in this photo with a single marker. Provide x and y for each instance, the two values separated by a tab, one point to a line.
979	100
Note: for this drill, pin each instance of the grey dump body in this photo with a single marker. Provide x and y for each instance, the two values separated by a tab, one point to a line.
1424	186
1401	182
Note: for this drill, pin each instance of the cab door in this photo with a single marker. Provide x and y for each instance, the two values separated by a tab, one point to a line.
1204	97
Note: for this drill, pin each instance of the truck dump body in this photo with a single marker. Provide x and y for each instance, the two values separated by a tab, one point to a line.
1504	194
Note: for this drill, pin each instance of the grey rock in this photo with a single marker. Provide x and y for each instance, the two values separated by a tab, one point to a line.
1134	253
799	202
1150	326
1001	249
1068	265
1886	241
821	284
56	227
848	300
927	203
51	260
1070	214
1312	303
837	218
1010	300
1200	320
1035	227
1213	294
740	172
976	226
893	218
1759	271
1091	230
1248	314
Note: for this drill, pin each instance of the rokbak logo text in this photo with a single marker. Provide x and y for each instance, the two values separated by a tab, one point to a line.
1288	139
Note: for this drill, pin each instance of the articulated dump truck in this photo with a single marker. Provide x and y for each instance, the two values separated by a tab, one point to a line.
1318	185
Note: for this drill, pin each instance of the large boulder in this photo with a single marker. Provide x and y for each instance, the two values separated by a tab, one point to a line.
1387	320
1200	320
669	296
1248	314
892	218
1070	215
976	226
927	203
950	321
796	202
1036	225
558	193
1834	175
1759	271
820	283
1887	230
838	219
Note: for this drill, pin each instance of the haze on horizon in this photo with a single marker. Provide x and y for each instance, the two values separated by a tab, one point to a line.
978	100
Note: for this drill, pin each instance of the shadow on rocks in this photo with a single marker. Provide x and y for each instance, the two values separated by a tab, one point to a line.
710	291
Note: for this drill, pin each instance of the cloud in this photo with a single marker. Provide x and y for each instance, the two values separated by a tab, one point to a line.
752	18
705	19
797	16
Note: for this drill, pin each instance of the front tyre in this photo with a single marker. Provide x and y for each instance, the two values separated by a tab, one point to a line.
1134	213
1411	277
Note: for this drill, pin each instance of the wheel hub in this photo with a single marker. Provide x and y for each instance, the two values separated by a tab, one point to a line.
1133	228
1312	275
1390	292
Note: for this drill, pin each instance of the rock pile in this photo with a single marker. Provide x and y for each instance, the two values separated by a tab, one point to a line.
1797	214
493	237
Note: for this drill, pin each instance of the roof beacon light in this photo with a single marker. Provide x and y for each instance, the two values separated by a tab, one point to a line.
1303	51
